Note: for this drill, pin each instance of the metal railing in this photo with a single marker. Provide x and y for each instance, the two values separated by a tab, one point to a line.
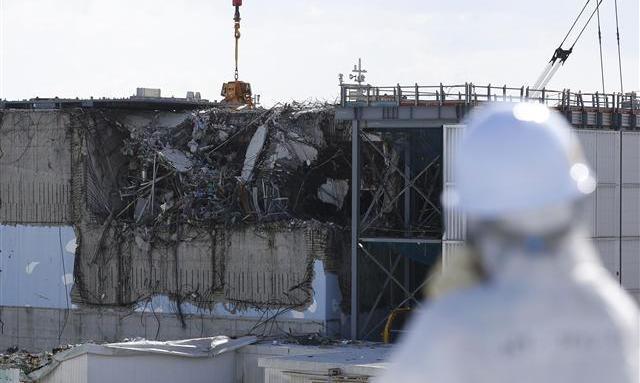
471	94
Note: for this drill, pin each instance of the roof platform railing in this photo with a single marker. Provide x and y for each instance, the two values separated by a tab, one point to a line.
471	94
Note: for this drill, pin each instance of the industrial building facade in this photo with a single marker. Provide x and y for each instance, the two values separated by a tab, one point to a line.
124	220
418	128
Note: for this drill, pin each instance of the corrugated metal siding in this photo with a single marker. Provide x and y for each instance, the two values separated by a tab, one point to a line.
631	211
274	375
631	157
452	135
450	250
607	210
589	207
609	250
602	149
631	184
70	371
455	223
588	139
607	164
631	264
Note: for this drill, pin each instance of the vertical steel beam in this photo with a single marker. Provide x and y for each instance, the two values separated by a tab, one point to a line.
355	221
407	204
407	185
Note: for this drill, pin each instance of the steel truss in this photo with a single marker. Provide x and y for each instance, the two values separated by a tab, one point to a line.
396	220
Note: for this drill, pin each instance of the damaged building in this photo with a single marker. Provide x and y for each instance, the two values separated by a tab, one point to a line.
172	220
183	222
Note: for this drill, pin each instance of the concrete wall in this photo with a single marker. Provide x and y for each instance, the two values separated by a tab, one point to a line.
37	329
33	301
268	265
35	167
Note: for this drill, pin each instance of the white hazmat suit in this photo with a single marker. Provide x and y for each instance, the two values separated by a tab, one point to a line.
548	311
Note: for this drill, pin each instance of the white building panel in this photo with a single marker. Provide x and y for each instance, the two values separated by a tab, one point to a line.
452	135
36	266
455	222
609	251
631	264
73	370
607	211
588	139
589	214
631	157
607	165
451	250
631	210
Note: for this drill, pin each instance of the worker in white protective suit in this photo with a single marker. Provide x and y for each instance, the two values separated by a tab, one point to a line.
546	310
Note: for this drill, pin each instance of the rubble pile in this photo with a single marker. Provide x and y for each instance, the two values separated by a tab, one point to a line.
229	167
177	204
27	362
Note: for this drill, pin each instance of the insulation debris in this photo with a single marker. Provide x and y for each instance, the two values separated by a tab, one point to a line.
176	159
333	192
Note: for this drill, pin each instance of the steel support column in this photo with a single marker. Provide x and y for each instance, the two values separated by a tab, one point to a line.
355	223
407	205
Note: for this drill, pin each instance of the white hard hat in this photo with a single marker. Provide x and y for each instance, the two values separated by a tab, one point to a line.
517	158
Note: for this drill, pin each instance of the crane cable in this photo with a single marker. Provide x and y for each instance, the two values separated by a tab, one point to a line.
574	22
561	54
236	27
586	24
619	55
600	45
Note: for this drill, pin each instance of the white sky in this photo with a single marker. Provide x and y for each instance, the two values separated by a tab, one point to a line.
295	49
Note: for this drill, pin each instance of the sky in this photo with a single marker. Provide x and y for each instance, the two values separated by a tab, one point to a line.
294	50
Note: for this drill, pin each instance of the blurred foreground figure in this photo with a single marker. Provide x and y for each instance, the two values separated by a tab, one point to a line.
543	308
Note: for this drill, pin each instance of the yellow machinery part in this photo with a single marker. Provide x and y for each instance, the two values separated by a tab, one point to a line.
237	93
388	327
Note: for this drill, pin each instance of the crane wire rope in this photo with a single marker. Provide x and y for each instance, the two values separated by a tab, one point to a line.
619	55
574	22
553	66
600	46
586	25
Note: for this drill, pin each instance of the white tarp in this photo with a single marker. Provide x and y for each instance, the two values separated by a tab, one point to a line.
191	348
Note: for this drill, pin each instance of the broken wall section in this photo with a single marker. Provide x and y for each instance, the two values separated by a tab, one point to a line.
253	266
208	207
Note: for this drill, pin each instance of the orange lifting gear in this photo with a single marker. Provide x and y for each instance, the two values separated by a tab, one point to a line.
237	92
